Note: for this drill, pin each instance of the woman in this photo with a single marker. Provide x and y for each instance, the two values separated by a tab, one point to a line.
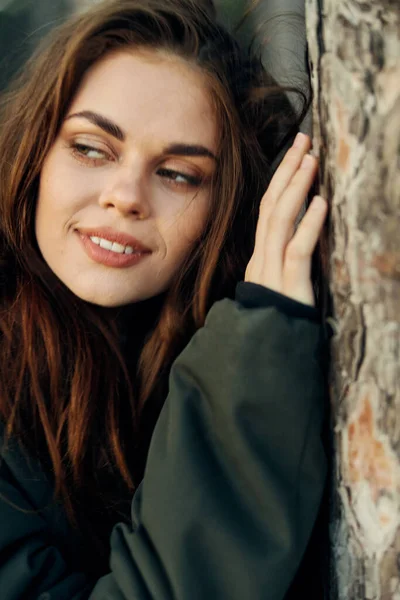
135	151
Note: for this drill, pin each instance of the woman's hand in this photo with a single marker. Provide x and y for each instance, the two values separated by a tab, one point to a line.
281	259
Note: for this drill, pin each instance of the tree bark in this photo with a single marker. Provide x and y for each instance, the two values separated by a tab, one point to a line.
354	50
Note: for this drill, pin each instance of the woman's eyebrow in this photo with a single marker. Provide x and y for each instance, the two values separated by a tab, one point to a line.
103	122
189	150
115	130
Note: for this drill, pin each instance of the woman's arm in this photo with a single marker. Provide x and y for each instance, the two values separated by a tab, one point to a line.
236	467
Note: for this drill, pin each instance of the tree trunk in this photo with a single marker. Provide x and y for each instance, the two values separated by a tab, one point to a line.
354	50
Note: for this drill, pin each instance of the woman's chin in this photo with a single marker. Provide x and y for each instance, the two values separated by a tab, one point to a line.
112	298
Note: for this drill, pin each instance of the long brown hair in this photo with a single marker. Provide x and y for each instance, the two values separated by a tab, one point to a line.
67	388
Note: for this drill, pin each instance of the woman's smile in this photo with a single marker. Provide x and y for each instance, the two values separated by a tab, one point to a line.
112	248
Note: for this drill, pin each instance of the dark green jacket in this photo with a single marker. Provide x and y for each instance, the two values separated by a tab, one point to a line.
233	481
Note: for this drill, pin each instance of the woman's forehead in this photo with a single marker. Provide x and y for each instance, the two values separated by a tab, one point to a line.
150	92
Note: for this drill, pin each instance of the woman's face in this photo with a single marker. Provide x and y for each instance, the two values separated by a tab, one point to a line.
125	189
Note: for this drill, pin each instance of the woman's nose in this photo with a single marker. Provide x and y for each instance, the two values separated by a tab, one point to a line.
127	193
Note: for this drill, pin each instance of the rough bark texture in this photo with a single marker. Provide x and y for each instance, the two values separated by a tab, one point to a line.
355	59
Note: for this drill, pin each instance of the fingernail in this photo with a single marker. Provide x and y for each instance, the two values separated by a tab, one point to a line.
299	140
307	162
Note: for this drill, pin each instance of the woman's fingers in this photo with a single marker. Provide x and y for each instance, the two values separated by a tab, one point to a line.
280	181
288	167
296	279
281	221
282	257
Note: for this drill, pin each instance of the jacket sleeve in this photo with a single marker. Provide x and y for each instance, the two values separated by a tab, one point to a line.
234	476
236	467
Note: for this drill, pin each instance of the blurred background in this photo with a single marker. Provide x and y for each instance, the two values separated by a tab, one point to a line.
279	25
24	22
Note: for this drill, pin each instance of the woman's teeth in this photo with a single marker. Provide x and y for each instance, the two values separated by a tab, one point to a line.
113	246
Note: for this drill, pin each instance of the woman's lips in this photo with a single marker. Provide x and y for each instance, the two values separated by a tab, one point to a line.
112	235
128	251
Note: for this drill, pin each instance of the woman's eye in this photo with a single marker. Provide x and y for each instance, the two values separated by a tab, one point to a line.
88	153
180	179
